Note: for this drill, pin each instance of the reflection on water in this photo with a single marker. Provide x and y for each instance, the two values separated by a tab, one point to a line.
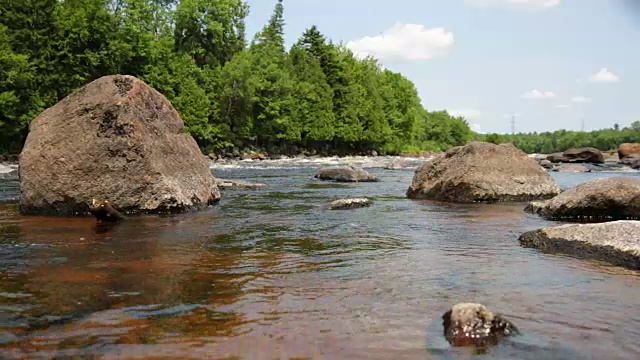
270	273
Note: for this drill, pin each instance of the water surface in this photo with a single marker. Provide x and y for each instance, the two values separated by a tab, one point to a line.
271	273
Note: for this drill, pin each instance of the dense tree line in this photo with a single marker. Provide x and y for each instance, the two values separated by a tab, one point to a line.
315	95
561	140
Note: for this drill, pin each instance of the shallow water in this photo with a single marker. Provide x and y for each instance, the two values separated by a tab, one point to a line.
272	274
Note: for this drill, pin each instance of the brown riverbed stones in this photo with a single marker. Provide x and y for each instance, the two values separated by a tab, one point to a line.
118	140
482	172
472	324
616	242
606	199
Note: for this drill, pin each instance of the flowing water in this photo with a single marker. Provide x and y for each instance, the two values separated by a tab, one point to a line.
271	273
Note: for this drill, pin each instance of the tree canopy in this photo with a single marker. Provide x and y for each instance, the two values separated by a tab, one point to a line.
315	95
232	93
561	140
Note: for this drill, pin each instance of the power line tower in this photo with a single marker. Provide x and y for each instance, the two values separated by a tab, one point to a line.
513	124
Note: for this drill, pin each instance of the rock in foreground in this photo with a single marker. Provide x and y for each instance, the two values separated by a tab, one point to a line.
118	140
342	204
614	198
345	174
471	324
482	171
616	242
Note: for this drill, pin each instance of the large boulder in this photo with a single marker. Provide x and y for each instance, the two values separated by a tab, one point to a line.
606	199
349	173
118	140
616	242
629	154
583	155
628	149
482	171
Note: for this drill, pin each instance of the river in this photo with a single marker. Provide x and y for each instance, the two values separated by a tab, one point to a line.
271	273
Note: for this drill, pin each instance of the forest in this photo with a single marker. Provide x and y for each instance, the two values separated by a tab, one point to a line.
561	140
231	91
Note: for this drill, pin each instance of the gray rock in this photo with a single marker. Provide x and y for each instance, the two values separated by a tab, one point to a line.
580	155
345	174
480	172
614	198
118	140
231	183
545	163
342	204
571	168
616	242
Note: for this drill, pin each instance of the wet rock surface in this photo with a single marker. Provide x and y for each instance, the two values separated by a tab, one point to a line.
482	172
345	174
237	184
616	242
104	212
115	139
352	203
472	324
571	168
613	198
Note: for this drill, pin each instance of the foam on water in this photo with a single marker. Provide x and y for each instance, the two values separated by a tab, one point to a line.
296	163
7	168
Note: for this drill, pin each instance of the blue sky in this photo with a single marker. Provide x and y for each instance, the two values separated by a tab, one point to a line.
553	63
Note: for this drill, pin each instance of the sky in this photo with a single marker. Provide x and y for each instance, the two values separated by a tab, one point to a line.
546	64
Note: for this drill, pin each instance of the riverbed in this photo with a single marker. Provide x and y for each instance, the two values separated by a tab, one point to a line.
271	273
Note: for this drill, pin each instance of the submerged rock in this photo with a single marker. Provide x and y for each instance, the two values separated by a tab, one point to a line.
230	183
573	168
482	171
471	324
118	140
345	174
342	204
396	165
616	242
614	198
103	211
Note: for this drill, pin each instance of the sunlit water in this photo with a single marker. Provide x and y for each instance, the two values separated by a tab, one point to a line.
271	273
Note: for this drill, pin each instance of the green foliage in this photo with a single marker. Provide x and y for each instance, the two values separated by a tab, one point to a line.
561	140
316	95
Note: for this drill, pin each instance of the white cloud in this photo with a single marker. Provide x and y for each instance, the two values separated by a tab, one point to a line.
476	128
563	106
468	114
404	42
537	94
604	75
580	99
512	3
